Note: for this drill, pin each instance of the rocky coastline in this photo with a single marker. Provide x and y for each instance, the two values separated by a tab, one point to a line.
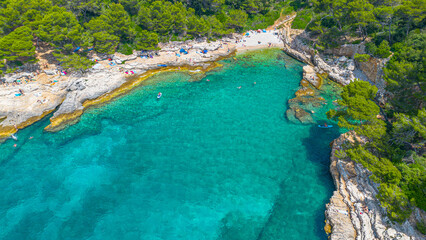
68	96
346	217
353	212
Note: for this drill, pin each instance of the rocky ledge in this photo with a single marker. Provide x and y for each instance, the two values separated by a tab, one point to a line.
354	212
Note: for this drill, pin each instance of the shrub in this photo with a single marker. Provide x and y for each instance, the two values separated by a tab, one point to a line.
287	10
362	57
370	47
383	51
125	49
302	19
421	226
395	202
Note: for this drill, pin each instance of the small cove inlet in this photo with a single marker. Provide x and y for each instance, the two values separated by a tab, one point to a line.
212	159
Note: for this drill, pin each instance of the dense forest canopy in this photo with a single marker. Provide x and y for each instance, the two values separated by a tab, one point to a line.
107	26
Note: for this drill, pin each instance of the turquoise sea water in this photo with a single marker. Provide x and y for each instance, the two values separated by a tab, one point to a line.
206	161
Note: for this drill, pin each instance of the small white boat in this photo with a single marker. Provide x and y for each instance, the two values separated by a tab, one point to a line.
14	137
159	95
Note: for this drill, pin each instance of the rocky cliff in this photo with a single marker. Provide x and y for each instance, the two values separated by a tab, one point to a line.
354	212
373	70
340	69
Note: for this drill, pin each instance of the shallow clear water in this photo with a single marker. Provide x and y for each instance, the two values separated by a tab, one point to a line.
206	161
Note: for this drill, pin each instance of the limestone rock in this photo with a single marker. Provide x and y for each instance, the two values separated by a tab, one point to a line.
351	65
50	72
373	71
304	83
343	59
342	76
305	92
310	75
78	85
347	50
98	66
346	212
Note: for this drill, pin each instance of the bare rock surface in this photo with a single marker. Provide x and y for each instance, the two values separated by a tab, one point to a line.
36	100
373	70
310	75
336	73
90	87
347	50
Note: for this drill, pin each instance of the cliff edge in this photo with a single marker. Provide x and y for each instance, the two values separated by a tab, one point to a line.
354	212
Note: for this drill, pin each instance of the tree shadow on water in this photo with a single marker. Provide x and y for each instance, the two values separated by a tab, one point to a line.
318	150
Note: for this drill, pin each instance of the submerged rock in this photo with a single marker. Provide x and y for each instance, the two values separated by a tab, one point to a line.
296	114
305	92
303	116
290	114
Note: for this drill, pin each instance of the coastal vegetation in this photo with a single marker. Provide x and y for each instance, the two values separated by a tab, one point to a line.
392	131
76	27
391	145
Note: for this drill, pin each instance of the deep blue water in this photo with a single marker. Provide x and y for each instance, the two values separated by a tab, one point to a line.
206	161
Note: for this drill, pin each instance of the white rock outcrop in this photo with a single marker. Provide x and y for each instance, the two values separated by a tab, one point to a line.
354	212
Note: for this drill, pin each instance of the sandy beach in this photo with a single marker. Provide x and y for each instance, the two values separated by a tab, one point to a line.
253	40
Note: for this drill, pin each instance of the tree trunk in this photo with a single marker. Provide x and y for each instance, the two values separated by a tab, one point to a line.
390	24
408	28
338	22
364	33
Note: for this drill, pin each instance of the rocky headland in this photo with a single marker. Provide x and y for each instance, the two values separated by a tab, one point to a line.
353	212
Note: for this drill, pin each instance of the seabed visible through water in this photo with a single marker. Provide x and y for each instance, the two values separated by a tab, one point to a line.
212	159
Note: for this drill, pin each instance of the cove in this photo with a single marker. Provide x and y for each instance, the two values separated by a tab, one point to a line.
208	160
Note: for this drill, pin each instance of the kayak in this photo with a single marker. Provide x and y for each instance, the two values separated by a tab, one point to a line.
14	137
159	95
322	126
